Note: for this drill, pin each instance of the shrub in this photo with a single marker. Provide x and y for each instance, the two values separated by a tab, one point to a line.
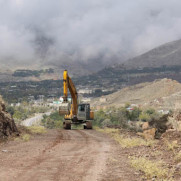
106	123
150	111
149	115
134	115
116	116
100	116
54	120
144	117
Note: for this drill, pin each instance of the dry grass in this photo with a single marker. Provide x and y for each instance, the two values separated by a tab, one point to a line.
107	130
37	129
157	153
26	137
27	132
177	157
151	169
132	142
174	123
126	142
17	139
171	145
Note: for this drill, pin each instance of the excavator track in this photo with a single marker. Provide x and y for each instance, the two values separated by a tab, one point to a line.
67	125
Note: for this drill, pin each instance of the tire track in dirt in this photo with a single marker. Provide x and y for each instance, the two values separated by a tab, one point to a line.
74	155
42	155
23	156
82	155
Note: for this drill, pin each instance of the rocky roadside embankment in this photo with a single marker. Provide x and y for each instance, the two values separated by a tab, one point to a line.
7	124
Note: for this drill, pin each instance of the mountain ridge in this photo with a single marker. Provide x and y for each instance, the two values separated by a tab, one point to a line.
164	55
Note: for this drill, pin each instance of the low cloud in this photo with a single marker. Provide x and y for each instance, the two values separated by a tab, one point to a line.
108	31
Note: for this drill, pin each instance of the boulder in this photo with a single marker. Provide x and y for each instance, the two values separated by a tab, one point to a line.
145	126
148	134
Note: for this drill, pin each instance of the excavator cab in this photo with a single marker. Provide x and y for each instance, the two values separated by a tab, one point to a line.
83	112
85	115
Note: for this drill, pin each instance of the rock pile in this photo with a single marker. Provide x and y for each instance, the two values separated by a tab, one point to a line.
155	128
169	123
7	124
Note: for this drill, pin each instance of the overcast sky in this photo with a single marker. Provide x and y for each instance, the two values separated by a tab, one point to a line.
85	30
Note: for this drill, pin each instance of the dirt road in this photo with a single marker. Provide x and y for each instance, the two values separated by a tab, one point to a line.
73	155
34	120
61	155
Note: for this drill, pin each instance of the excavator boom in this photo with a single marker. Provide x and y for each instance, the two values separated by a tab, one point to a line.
65	108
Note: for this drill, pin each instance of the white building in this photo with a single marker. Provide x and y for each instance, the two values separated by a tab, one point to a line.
85	91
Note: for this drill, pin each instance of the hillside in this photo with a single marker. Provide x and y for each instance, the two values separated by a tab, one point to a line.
161	62
162	94
168	54
76	68
108	80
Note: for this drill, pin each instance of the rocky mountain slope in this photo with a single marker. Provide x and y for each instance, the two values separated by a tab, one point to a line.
162	94
161	62
165	55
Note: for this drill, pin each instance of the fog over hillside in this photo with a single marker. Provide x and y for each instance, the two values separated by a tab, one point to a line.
168	54
42	32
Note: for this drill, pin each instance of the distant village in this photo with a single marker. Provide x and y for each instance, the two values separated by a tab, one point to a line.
54	96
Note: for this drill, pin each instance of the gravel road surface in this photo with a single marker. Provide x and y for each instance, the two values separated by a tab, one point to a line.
65	155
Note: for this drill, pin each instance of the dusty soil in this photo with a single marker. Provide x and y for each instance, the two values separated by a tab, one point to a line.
119	168
73	155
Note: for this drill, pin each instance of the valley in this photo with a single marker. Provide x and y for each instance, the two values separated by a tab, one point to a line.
136	128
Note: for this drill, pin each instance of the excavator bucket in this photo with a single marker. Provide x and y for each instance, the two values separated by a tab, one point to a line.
64	108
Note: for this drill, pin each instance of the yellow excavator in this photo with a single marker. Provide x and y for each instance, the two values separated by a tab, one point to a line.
73	112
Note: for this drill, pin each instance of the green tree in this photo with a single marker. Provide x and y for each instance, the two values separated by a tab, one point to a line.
10	110
54	120
150	111
99	117
144	117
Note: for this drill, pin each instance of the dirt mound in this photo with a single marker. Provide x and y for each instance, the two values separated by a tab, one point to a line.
7	125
